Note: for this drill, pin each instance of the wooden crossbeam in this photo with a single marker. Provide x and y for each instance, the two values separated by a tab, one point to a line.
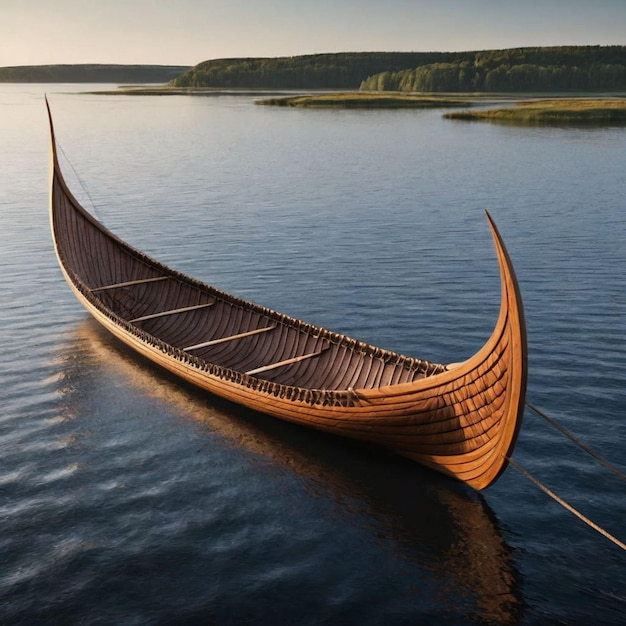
184	309
213	342
295	359
129	283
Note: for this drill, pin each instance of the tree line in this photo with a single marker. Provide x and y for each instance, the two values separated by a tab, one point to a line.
560	68
344	70
90	73
524	69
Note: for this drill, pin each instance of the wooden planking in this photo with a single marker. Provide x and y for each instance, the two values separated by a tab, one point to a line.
462	422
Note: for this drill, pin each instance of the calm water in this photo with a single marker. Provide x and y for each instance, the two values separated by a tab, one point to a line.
126	497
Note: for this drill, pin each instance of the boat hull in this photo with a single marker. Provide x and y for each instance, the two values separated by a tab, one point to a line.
461	420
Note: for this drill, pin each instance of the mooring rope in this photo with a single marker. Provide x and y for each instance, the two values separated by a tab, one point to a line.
567	506
554	496
578	442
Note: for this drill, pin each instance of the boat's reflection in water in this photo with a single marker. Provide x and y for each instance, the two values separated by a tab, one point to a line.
443	528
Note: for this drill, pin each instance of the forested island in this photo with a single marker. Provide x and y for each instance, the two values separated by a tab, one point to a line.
540	69
91	73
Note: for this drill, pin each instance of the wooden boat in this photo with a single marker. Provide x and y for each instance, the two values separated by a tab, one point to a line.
460	419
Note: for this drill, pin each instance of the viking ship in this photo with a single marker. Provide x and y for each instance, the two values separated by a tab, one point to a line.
460	419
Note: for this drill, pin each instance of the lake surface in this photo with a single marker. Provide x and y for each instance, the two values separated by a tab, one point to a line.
127	497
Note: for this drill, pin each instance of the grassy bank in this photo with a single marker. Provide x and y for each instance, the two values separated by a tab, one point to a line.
562	111
354	100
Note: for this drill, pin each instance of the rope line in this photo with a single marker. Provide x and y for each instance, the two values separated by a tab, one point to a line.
579	443
80	180
567	506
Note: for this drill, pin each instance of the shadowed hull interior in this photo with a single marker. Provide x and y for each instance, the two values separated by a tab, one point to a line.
461	420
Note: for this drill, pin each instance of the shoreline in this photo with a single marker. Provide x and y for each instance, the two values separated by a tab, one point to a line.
564	109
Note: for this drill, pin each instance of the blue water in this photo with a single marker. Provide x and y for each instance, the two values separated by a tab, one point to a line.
127	497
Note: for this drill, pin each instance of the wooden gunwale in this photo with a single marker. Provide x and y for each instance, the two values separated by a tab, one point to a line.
462	421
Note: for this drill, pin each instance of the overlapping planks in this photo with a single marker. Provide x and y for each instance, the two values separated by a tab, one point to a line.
462	420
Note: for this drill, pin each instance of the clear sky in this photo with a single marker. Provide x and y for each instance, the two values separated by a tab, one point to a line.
186	32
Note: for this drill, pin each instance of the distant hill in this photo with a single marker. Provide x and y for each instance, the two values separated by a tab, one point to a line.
554	69
343	70
94	73
559	68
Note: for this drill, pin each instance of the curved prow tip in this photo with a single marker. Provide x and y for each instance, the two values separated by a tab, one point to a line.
506	265
492	225
53	141
513	320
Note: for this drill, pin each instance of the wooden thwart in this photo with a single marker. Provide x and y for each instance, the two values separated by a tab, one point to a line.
184	309
214	342
295	359
129	283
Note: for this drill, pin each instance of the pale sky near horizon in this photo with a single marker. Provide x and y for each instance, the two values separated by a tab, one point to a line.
186	32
